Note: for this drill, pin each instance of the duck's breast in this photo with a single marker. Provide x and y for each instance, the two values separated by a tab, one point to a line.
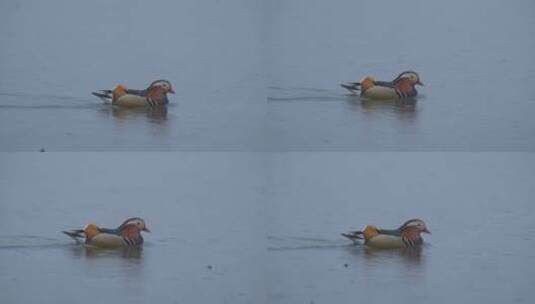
380	92
106	240
384	241
130	100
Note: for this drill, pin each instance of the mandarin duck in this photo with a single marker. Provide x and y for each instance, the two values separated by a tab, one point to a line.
128	234
154	95
402	86
406	236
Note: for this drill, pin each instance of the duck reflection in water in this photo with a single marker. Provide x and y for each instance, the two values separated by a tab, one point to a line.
408	255
153	114
95	253
407	105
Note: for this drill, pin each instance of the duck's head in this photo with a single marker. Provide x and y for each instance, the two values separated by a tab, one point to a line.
163	85
136	221
412	76
91	230
418	223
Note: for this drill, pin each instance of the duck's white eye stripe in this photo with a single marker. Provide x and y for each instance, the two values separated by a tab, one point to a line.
162	83
409	75
414	223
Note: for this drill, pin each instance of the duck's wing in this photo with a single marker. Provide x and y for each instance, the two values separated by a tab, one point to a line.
107	95
110	230
394	232
137	92
387	84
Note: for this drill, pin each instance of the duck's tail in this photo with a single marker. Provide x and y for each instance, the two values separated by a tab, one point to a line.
353	87
76	234
105	95
353	235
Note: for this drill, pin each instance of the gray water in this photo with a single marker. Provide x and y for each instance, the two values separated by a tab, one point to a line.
474	57
271	160
264	75
52	61
264	227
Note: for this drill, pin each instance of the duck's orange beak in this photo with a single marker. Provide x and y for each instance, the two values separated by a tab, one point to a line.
420	83
146	229
426	231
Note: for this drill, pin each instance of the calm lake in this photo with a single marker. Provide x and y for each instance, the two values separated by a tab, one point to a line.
264	75
265	227
270	158
210	51
474	57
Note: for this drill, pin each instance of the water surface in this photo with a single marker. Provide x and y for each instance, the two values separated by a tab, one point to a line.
264	227
264	75
55	53
475	59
